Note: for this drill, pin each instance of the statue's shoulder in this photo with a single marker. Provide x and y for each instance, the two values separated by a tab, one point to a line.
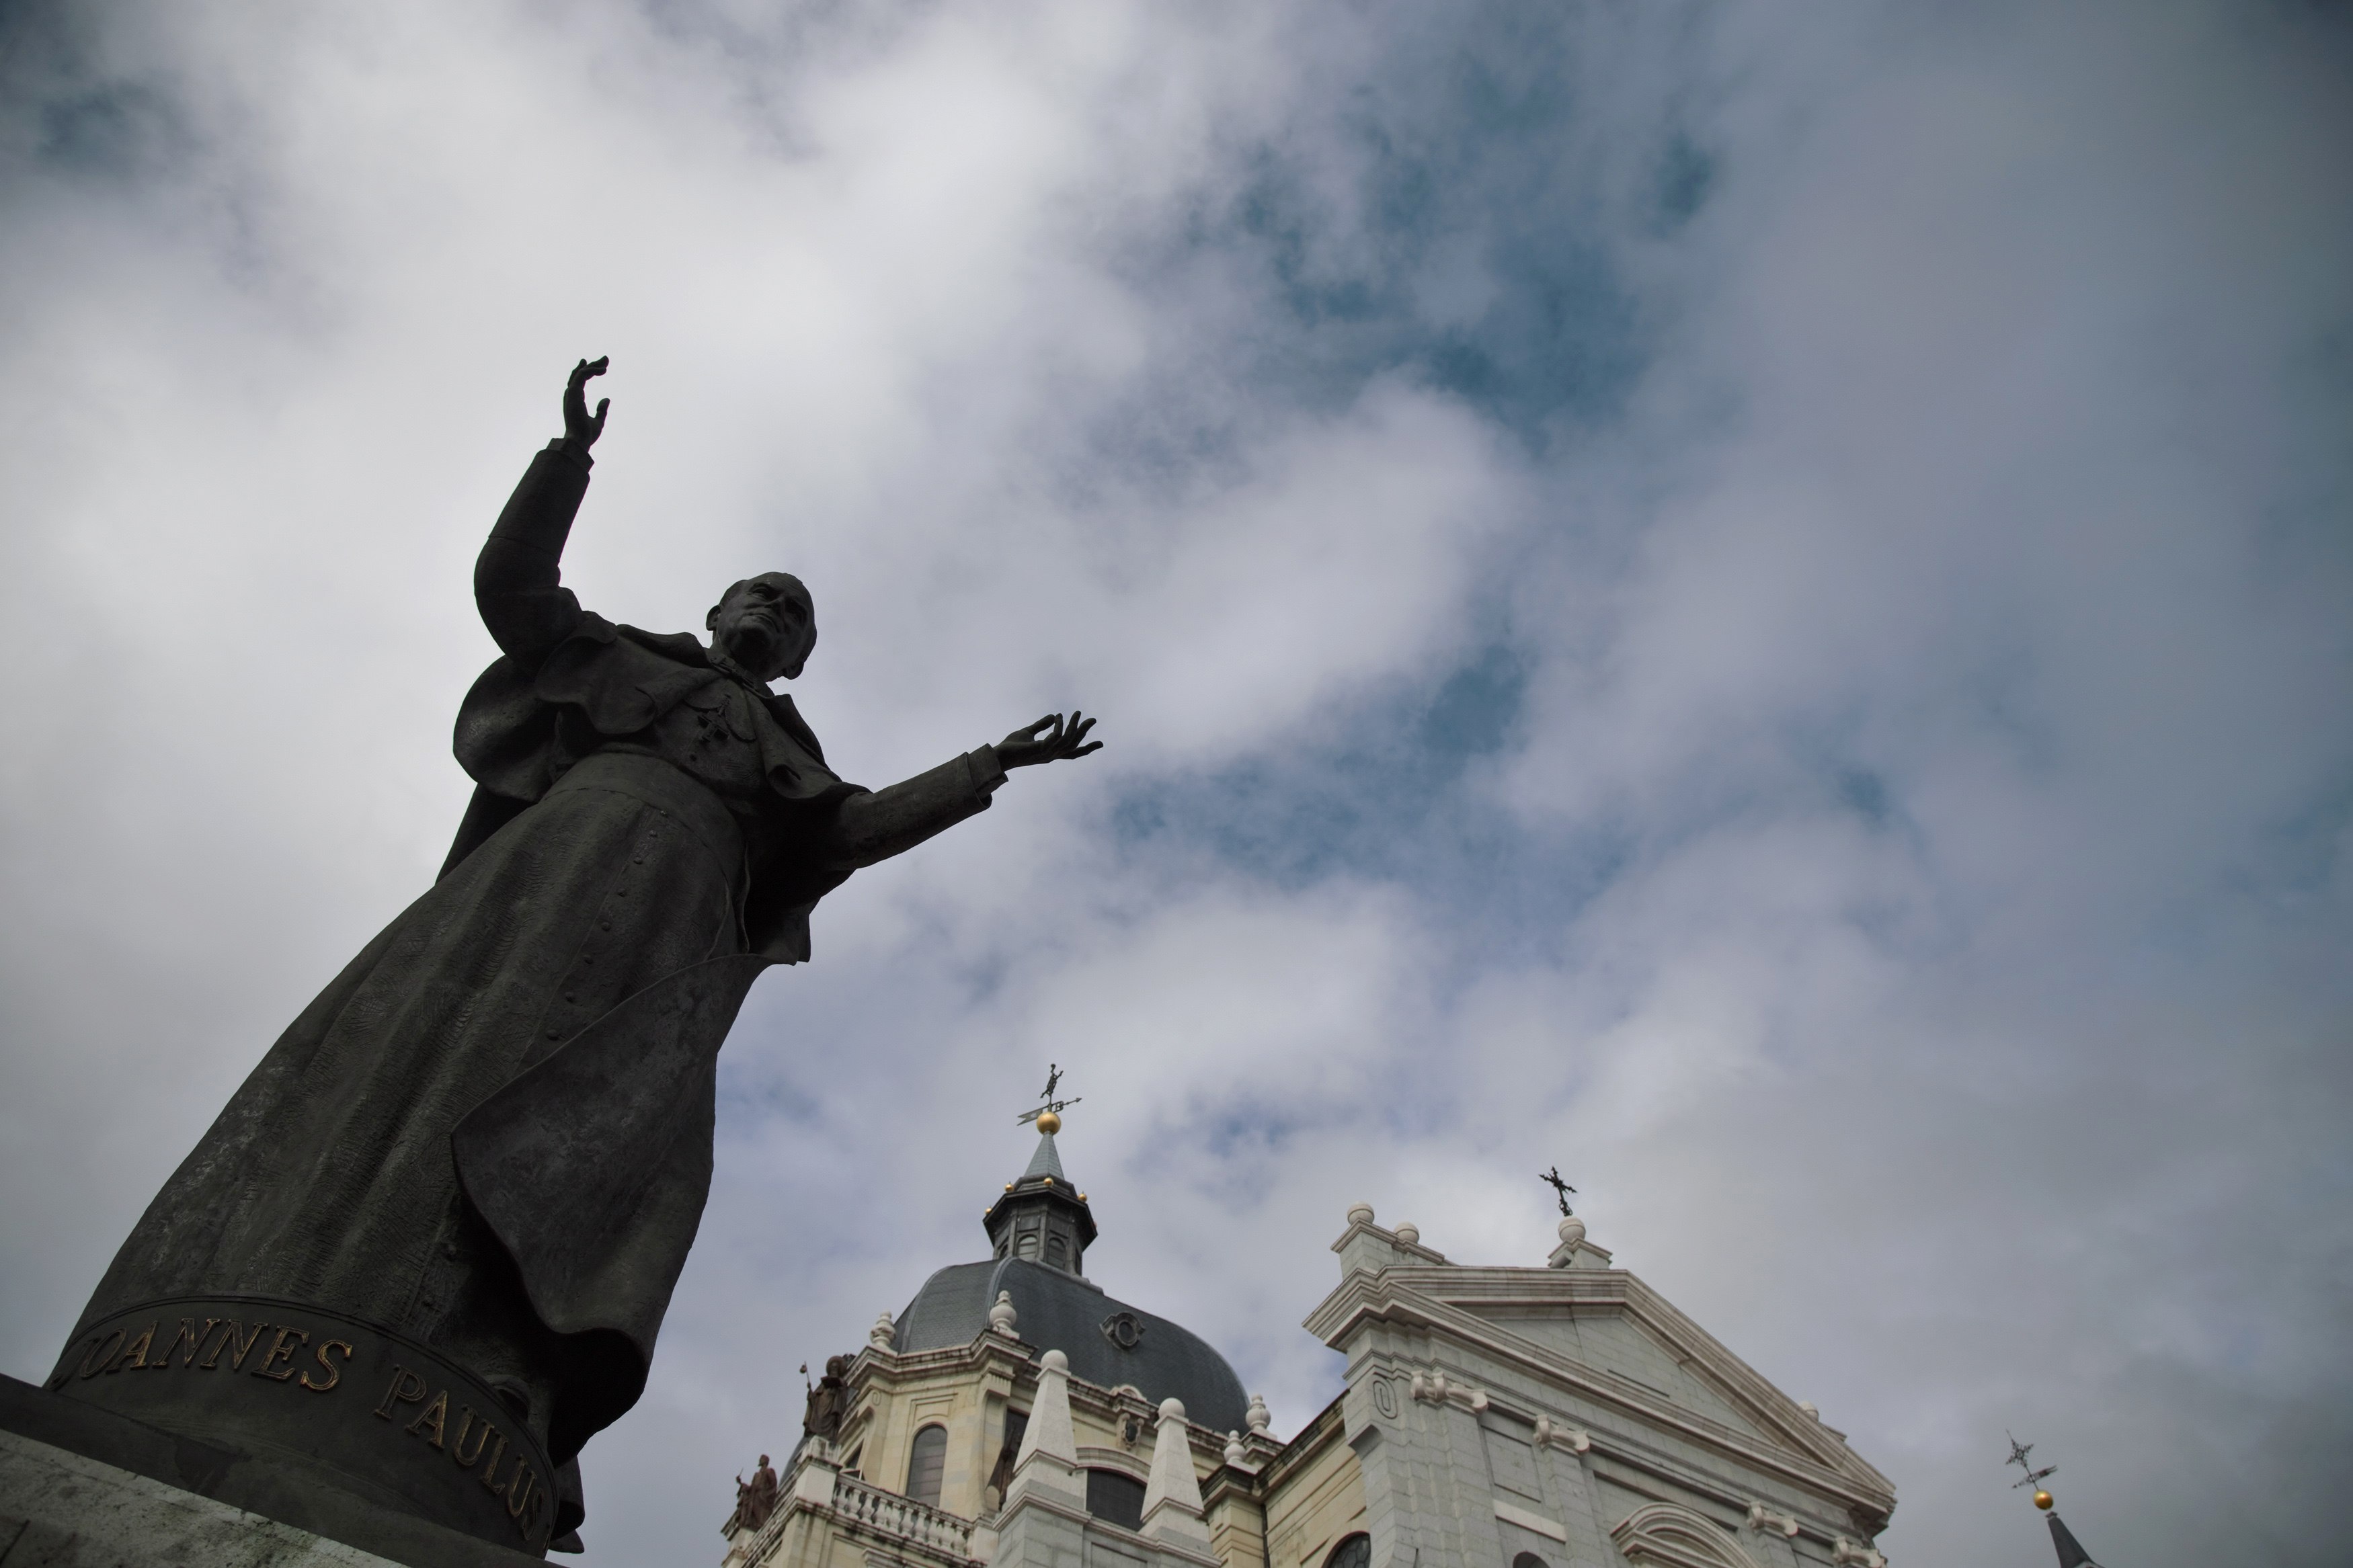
622	678
788	718
680	647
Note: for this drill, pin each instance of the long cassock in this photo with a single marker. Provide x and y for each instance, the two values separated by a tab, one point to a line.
493	1131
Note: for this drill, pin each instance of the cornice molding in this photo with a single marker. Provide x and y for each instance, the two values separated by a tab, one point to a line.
1325	1428
881	1373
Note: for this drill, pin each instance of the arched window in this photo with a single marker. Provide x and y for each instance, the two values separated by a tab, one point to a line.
1669	1533
927	1458
1027	1246
1054	1249
1357	1552
1116	1499
1529	1560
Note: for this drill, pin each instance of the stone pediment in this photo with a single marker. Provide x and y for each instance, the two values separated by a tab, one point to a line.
1608	1337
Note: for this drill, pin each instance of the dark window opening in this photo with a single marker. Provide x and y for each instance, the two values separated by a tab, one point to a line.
927	1460
1116	1499
1016	1422
1054	1250
1529	1560
1357	1552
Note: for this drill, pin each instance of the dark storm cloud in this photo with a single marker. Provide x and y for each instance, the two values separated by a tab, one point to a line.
1753	602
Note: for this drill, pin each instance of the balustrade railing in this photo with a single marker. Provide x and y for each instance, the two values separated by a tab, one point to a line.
862	1503
888	1513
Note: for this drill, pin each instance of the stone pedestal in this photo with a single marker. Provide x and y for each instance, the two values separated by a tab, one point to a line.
84	1487
323	1401
59	1509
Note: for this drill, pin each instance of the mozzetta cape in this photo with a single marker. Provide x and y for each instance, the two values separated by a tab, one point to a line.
520	730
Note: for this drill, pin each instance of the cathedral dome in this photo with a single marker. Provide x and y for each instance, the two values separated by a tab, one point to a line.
1041	1228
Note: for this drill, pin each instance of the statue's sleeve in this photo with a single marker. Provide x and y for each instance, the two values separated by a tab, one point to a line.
517	584
875	824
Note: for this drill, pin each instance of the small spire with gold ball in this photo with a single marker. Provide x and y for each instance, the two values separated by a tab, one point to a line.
2070	1550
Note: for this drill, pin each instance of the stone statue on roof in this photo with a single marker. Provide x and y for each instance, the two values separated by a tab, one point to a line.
829	1402
755	1500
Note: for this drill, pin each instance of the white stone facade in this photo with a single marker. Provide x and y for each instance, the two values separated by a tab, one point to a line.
1570	1414
1565	1413
830	1516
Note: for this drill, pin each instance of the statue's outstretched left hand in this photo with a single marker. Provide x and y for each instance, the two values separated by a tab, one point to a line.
1050	739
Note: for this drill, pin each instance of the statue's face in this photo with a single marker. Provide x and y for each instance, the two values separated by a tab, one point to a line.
766	624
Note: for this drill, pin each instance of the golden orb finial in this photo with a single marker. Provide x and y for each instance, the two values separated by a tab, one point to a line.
2043	1501
1048	1123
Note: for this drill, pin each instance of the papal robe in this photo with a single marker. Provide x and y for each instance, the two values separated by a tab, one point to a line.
493	1131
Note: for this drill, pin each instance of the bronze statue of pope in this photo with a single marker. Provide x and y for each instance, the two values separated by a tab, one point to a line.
490	1136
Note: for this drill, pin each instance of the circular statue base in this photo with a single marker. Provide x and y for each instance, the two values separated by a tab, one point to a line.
330	1398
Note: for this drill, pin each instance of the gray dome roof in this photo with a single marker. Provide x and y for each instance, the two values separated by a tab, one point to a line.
1061	1311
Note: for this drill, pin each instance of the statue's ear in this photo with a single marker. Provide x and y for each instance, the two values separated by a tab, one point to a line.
710	621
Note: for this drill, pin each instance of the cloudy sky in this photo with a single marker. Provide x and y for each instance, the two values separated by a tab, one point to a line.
1753	599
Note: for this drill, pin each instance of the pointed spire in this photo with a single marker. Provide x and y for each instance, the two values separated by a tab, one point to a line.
1041	1218
1045	1162
1172	1500
2070	1550
1048	1462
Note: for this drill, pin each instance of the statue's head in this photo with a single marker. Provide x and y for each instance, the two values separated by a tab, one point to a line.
837	1367
766	624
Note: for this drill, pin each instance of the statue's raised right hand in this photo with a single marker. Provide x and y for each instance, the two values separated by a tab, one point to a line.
579	426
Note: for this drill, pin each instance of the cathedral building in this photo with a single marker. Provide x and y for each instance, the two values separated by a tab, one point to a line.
1015	1415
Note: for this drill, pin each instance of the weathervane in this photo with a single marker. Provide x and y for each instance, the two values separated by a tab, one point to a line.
2070	1550
2017	1455
1049	1116
1560	1189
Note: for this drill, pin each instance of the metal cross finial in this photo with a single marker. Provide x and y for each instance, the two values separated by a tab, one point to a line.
1560	1189
1054	1081
2017	1455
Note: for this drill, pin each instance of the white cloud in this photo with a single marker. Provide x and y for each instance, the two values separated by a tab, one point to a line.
1922	904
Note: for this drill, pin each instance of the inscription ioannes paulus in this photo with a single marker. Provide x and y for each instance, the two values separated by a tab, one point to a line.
420	1408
